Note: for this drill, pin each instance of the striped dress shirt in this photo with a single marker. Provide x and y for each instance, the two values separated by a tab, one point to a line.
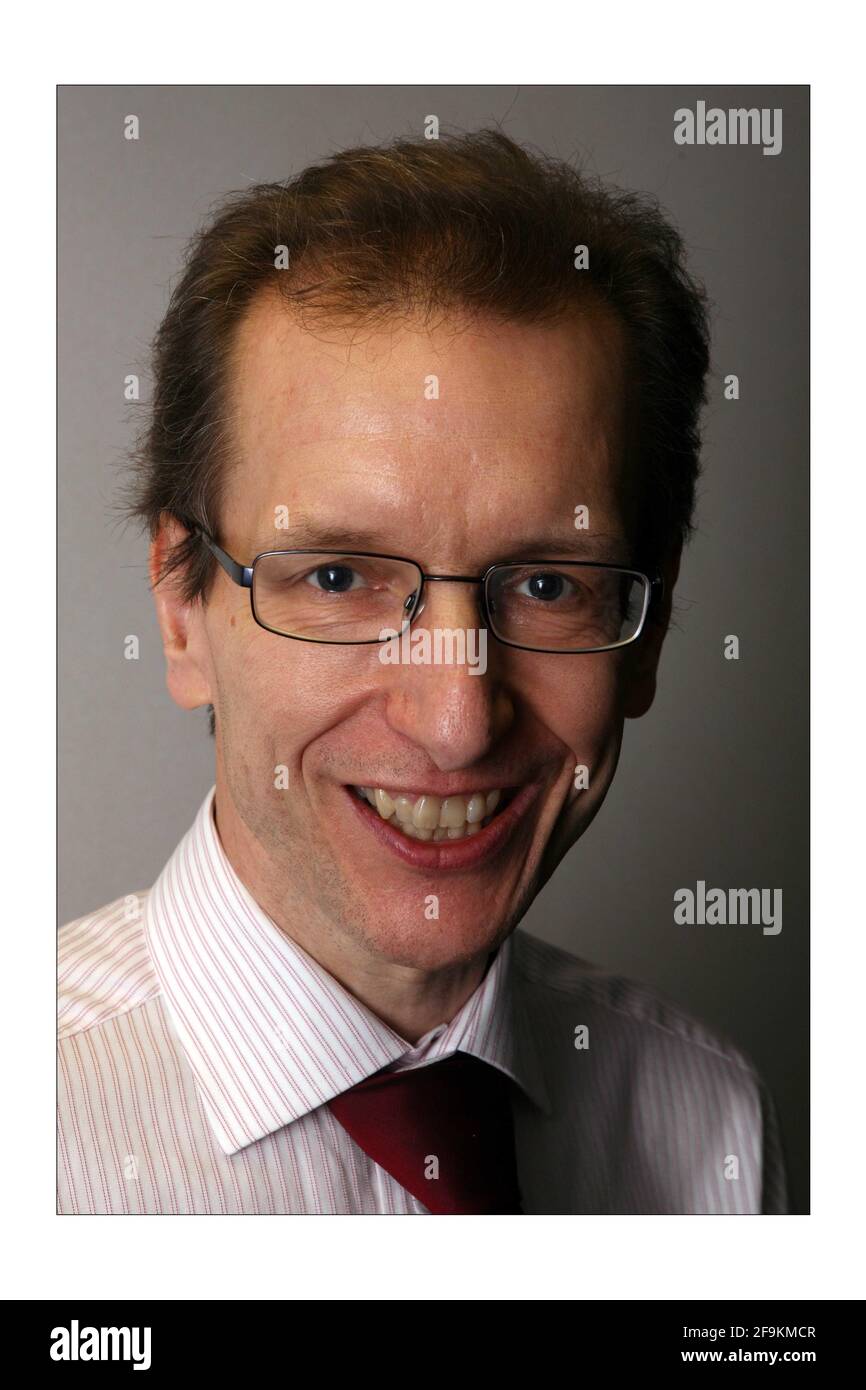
198	1046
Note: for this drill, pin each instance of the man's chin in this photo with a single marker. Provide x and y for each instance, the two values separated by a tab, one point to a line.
427	938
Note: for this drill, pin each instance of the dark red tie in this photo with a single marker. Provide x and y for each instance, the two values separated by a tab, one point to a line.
444	1131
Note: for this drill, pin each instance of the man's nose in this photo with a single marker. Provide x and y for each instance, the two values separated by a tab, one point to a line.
454	712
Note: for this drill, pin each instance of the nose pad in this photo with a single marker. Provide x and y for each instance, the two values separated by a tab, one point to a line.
407	605
410	598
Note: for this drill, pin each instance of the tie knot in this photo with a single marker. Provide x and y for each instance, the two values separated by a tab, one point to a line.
444	1131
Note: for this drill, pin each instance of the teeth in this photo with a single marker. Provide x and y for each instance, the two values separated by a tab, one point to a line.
453	812
384	804
425	815
433	817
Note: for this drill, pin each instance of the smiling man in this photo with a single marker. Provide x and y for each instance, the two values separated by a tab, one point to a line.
443	387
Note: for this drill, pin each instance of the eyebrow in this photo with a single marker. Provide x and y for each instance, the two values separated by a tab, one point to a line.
306	535
311	535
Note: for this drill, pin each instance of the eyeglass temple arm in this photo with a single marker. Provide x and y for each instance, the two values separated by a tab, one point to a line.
241	574
656	594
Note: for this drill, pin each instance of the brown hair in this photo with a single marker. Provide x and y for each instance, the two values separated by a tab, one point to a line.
471	222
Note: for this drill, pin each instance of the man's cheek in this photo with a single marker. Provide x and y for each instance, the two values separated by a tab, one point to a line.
590	770
591	728
592	767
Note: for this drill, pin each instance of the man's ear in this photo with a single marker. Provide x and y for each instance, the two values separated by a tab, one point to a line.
642	662
180	623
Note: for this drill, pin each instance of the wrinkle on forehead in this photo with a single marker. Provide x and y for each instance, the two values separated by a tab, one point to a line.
273	354
520	407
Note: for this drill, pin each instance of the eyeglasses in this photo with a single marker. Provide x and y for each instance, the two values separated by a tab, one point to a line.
336	598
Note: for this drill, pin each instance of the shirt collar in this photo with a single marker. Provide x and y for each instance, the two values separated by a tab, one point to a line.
268	1033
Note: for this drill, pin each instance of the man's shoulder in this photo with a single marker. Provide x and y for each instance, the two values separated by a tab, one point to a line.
104	968
664	1110
637	1015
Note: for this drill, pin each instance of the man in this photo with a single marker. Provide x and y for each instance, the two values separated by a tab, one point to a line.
442	391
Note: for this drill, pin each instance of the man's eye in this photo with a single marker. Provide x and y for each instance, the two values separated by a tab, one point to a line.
334	579
547	586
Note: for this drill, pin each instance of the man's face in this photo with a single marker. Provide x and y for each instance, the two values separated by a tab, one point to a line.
341	431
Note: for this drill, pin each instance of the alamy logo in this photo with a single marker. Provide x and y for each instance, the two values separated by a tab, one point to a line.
734	906
76	1343
739	126
439	646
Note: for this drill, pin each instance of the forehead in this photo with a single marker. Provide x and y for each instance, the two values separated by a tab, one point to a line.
456	426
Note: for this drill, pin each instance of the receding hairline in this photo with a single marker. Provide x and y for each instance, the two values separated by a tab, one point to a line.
268	303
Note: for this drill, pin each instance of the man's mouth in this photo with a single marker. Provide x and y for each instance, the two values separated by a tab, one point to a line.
429	817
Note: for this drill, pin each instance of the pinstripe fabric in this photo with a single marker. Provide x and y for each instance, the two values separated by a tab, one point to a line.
198	1046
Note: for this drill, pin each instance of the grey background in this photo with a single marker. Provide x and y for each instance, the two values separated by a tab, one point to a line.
713	783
